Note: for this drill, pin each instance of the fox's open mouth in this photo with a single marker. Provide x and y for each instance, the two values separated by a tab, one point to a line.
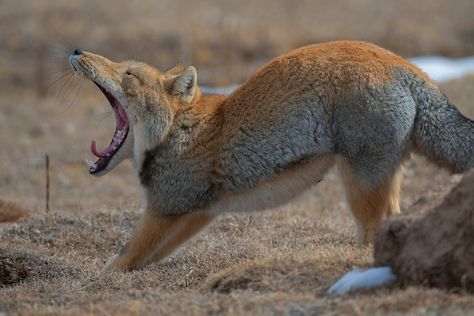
121	131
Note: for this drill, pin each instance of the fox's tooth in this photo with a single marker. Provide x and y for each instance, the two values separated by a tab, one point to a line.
89	163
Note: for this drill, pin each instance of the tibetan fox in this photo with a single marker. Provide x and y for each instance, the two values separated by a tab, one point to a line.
196	155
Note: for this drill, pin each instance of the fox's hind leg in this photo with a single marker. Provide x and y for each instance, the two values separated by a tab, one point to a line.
156	237
370	203
394	202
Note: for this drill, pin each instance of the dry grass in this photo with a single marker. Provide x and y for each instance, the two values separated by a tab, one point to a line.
291	272
278	261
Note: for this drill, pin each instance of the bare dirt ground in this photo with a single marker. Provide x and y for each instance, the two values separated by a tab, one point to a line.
279	261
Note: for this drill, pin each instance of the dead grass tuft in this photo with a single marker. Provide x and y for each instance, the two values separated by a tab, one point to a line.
291	272
16	267
10	212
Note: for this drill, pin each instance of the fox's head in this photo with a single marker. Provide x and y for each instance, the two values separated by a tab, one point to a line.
143	99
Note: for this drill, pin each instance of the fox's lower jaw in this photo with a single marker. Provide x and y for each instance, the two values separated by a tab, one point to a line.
125	151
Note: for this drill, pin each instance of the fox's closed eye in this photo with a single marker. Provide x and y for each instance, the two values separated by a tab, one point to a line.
135	76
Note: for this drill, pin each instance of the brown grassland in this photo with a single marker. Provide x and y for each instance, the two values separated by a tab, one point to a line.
274	262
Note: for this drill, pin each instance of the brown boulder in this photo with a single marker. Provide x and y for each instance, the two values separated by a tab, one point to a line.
434	248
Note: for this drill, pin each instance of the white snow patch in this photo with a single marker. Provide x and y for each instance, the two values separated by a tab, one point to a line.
443	69
219	90
360	279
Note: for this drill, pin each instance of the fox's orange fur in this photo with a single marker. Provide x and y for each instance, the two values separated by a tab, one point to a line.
370	204
198	155
156	237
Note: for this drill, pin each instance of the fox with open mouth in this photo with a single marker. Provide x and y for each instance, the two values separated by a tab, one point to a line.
197	155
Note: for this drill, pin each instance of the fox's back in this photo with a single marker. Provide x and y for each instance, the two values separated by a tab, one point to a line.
324	70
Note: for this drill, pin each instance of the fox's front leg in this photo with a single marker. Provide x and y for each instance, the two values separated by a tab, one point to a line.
156	237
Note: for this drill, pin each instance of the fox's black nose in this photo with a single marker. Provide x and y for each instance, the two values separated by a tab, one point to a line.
77	51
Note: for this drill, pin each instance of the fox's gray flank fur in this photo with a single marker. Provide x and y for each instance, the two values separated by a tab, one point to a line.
374	129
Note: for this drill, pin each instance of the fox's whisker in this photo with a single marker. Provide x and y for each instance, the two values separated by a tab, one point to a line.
55	71
70	90
66	83
57	80
99	118
79	87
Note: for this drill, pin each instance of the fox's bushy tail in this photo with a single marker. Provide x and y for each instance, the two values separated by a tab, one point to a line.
441	132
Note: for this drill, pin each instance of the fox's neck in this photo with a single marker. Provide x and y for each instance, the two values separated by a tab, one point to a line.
181	167
200	126
194	134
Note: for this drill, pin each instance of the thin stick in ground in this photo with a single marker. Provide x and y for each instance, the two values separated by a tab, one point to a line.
47	181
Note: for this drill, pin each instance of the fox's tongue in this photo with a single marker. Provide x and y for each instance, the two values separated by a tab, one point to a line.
97	153
116	142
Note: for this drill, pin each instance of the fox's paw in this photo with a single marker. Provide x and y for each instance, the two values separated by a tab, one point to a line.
110	265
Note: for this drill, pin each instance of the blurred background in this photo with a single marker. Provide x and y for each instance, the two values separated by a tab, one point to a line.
45	109
226	40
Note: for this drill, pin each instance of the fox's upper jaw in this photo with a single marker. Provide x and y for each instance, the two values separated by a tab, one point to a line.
108	78
101	71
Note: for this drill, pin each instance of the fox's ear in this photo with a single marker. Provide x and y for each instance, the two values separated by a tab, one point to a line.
184	85
176	70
